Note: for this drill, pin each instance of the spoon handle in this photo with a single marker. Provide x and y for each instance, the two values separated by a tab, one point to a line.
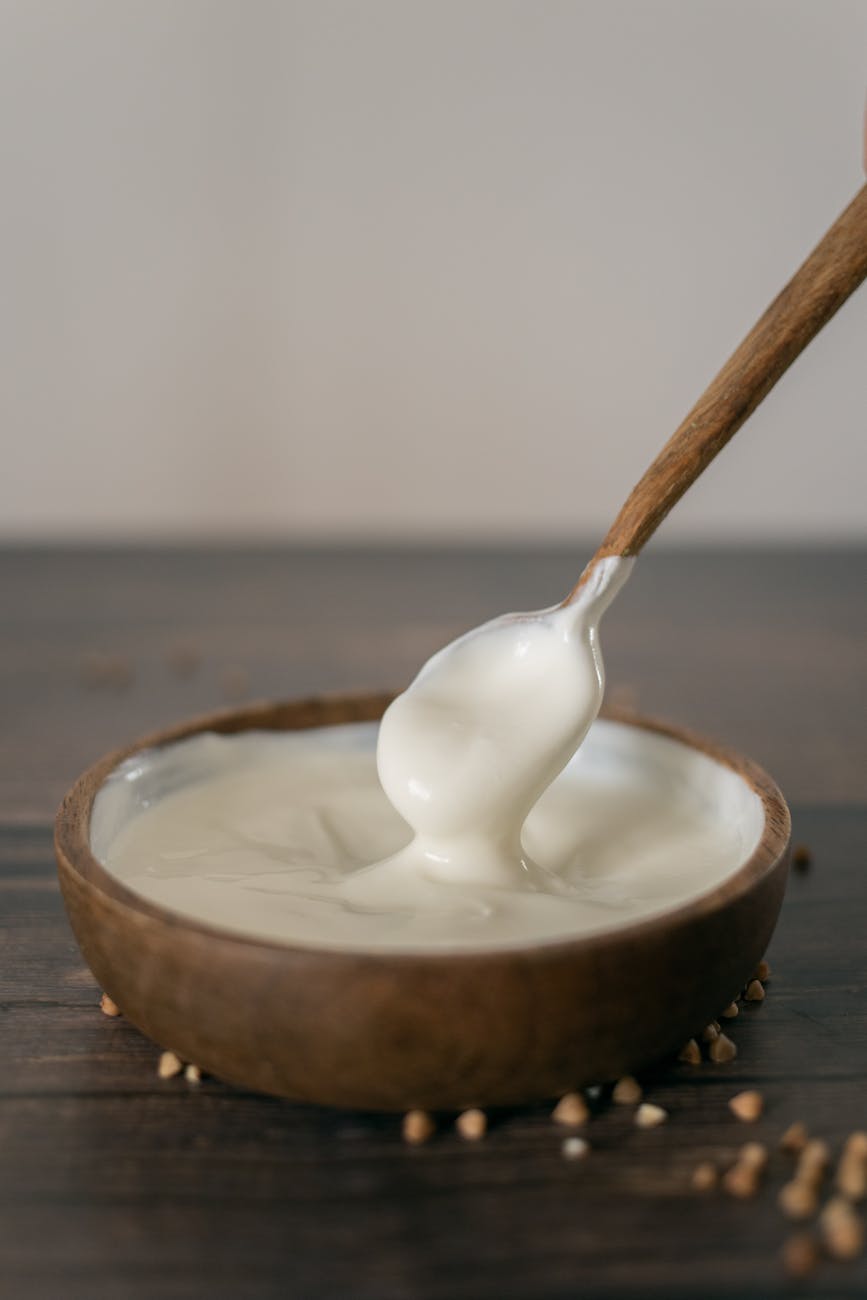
834	269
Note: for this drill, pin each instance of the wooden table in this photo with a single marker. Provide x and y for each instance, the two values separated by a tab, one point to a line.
117	1186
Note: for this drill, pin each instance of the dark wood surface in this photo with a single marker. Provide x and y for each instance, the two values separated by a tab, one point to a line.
116	1185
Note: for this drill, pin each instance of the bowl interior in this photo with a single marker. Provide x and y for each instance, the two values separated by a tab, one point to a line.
392	1029
637	824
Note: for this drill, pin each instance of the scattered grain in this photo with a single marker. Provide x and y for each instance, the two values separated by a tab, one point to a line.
795	1138
797	1199
472	1124
856	1144
744	1177
852	1170
813	1161
731	1011
710	1033
417	1127
755	1155
627	1091
763	971
741	1181
575	1148
842	1229
722	1049
169	1065
852	1178
801	857
108	1007
705	1176
747	1106
193	1074
690	1053
800	1254
571	1110
754	992
649	1116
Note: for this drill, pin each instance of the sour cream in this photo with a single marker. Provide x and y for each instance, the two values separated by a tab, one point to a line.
273	836
471	817
466	751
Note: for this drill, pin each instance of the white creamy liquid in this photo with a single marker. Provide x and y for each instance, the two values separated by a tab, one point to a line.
484	827
484	728
271	835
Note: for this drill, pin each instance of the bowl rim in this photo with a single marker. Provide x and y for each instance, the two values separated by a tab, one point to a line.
72	834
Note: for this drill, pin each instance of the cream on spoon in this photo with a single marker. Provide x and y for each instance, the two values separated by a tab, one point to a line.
488	723
465	752
275	842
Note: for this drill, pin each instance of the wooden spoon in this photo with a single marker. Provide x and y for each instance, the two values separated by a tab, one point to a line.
833	271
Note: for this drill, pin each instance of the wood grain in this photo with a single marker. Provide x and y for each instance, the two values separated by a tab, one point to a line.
766	651
116	1186
816	292
432	1030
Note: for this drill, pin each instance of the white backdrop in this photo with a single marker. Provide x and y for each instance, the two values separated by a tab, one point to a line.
405	269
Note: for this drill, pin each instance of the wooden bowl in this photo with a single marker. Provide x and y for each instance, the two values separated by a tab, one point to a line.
435	1030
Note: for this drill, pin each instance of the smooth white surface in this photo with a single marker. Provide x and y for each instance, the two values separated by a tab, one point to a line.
261	833
453	269
483	729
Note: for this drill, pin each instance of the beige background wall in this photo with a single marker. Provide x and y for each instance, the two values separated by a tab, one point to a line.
384	268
